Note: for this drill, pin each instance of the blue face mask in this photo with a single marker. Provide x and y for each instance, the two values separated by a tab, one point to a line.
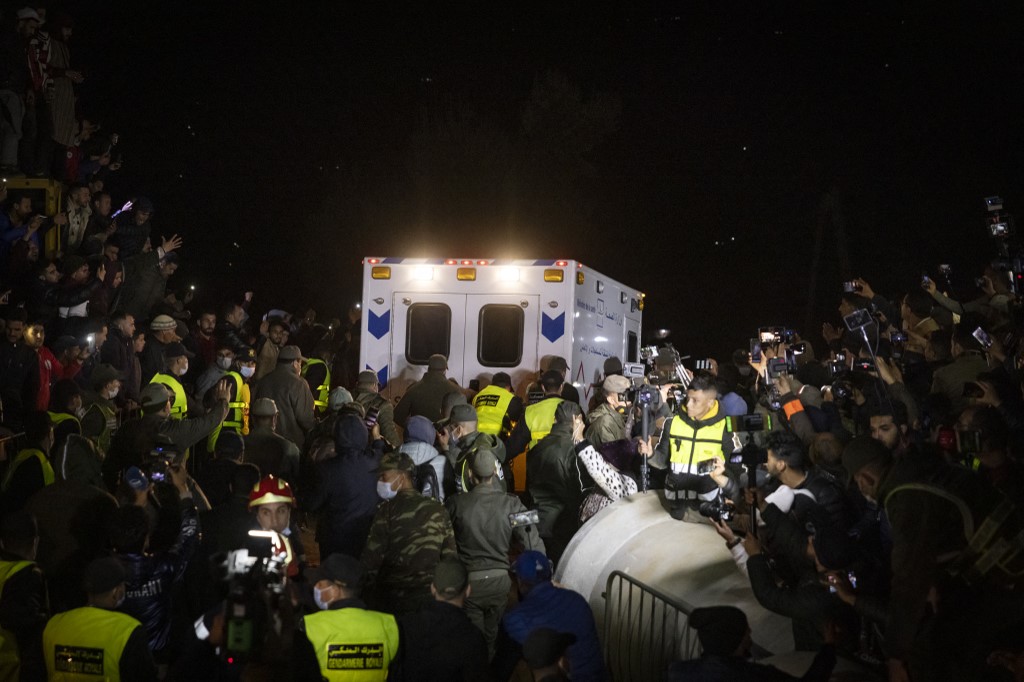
318	597
384	490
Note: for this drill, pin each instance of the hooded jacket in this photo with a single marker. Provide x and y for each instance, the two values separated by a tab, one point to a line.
344	489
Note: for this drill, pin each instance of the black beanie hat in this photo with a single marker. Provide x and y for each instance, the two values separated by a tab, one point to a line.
719	628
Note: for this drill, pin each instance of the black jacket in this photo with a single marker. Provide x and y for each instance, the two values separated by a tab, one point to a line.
23	613
344	489
440	644
151	580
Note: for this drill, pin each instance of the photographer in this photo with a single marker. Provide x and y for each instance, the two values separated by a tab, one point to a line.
151	578
694	445
801	492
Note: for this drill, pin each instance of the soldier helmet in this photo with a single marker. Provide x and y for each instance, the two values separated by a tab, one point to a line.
270	490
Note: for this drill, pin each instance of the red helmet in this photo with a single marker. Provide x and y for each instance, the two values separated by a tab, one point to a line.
270	490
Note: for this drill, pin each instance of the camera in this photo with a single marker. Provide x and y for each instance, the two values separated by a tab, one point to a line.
864	365
157	469
704	364
257	609
748	423
968	441
1000	224
945	270
633	370
778	366
530	517
755	351
852	287
897	337
858	319
716	510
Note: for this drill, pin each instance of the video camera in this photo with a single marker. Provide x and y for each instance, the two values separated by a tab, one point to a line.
752	455
258	609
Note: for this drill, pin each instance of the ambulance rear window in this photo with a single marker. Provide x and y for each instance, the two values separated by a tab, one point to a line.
500	340
631	347
429	331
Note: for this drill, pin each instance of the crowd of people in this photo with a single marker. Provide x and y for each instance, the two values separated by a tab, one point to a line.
165	464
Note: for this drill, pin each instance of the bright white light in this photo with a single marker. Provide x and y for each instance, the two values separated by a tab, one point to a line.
423	273
600	339
662	333
508	274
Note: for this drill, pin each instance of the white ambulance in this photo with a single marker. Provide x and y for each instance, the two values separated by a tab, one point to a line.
491	315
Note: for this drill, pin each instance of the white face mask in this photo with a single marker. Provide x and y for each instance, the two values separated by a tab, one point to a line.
80	412
384	490
224	363
247	371
112	394
318	597
183	370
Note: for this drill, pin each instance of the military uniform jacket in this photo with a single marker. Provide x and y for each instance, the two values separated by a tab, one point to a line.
410	533
482	528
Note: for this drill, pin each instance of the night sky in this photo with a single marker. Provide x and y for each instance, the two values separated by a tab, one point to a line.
693	154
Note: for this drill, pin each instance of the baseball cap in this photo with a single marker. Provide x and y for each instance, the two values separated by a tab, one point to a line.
501	379
245	354
450	578
544	646
63	343
462	413
263	407
558	364
177	350
153	394
532	566
437	362
103	374
338	567
230	444
27	14
162	323
616	384
396	461
483	463
103	575
367	377
289	354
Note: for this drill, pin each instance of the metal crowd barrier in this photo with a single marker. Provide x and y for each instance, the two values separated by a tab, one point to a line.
645	630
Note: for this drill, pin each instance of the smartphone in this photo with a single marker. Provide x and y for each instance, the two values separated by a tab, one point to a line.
5	298
530	517
857	319
897	337
983	338
91	340
968	441
851	287
755	351
371	417
925	280
979	282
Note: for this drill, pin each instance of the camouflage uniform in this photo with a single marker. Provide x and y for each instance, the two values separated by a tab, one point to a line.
409	535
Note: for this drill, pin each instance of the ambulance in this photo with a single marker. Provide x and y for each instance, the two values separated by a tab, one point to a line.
489	315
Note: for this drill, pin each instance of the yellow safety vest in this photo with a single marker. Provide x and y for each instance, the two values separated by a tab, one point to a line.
690	446
238	412
85	644
23	457
540	416
323	392
10	662
353	643
491	407
110	420
58	418
180	404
